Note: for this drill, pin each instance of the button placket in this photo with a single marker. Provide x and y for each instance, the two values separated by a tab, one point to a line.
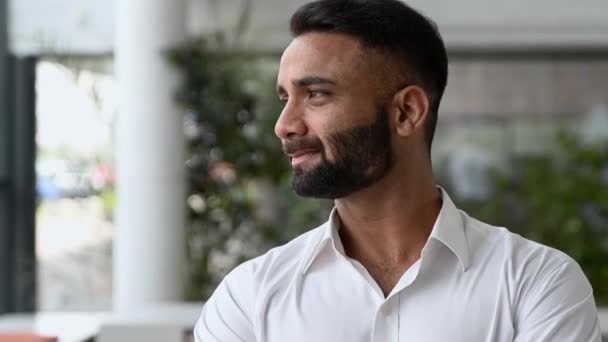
386	325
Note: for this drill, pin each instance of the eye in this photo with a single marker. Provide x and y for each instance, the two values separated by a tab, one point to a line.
316	93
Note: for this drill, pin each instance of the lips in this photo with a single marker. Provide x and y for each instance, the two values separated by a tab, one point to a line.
300	153
301	149
301	156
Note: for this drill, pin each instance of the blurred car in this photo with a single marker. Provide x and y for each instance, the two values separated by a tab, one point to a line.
57	178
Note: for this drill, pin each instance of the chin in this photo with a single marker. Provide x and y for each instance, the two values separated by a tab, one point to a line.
305	168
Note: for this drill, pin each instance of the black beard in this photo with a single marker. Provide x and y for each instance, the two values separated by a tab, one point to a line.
363	156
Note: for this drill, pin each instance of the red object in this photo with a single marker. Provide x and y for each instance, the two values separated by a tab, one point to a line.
25	337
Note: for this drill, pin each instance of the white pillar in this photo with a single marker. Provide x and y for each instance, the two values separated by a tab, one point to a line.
150	152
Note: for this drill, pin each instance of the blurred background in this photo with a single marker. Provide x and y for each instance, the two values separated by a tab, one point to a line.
138	163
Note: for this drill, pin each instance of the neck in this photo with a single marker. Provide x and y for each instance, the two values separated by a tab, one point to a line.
389	222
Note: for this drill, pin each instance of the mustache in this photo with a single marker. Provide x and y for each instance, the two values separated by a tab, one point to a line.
302	144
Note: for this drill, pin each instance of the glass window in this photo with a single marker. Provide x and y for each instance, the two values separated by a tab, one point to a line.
75	184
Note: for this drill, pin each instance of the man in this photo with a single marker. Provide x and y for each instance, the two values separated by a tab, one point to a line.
361	84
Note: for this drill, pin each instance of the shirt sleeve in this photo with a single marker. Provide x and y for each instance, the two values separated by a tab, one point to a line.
561	308
226	316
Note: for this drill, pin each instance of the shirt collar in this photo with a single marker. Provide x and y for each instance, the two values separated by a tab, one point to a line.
449	229
329	235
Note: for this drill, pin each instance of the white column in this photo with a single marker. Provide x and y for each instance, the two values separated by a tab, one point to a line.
150	152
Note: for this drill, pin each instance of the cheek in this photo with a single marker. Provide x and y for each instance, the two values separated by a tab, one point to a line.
340	116
328	150
331	151
321	124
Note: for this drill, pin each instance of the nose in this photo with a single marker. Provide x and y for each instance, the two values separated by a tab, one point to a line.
290	123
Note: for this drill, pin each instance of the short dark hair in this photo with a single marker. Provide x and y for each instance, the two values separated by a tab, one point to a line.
391	27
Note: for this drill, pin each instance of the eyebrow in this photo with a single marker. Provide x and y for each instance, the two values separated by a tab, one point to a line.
306	81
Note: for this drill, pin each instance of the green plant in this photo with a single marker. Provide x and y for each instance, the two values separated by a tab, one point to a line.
559	200
239	198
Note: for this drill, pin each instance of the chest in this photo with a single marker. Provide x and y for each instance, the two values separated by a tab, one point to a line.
344	306
400	319
384	275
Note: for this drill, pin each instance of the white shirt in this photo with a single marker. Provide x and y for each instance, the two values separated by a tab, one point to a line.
473	282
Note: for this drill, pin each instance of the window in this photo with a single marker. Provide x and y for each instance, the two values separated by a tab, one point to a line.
75	184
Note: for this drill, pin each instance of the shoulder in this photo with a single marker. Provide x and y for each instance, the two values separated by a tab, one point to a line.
550	296
279	262
514	250
532	271
228	315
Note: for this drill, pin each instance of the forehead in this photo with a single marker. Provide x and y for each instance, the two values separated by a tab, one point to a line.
329	55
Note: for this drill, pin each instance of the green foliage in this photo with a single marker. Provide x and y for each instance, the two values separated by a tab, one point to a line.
559	200
240	201
108	200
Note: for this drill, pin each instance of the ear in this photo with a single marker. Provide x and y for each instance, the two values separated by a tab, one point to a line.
410	110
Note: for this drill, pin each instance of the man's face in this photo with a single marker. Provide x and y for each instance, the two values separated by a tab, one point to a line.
333	126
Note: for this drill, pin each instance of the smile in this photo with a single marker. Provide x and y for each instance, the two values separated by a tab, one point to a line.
301	157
